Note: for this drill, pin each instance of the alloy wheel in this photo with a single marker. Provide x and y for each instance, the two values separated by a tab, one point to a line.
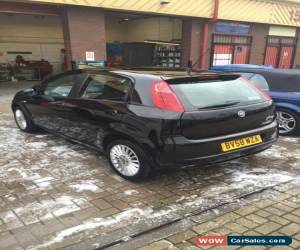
124	160
286	122
20	119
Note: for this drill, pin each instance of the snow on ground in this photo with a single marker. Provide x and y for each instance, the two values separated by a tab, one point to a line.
281	152
131	192
86	185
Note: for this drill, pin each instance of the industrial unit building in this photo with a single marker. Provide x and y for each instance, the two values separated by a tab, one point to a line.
164	33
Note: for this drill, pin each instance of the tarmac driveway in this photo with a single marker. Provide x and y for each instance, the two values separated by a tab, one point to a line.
56	194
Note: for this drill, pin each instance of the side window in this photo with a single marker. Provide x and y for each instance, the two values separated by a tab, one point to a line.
261	81
107	87
62	85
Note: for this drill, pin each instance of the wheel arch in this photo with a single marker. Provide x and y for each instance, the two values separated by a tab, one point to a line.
119	136
291	107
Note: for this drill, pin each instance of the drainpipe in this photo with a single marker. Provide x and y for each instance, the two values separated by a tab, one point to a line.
204	44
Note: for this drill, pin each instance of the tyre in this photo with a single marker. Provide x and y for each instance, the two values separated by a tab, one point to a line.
288	121
128	159
23	120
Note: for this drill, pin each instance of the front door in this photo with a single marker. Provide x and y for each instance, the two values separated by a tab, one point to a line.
50	107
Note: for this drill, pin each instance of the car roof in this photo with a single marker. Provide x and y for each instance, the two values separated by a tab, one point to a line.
230	67
159	73
269	71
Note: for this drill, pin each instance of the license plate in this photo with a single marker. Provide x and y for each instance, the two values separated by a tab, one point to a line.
241	143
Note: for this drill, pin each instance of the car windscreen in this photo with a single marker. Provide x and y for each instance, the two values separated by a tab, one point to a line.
217	93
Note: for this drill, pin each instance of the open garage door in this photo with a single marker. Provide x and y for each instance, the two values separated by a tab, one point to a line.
143	40
31	44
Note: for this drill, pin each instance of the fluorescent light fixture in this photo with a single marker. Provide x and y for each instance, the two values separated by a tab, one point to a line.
164	1
161	42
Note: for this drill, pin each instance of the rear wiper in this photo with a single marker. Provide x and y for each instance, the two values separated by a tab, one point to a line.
223	105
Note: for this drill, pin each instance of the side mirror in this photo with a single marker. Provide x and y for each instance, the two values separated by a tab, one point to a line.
37	88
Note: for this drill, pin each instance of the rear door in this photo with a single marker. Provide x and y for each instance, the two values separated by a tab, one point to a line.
217	107
99	107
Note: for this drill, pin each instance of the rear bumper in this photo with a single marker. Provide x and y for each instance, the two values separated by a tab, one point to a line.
207	151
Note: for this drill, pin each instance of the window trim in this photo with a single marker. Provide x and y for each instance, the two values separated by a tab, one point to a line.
74	88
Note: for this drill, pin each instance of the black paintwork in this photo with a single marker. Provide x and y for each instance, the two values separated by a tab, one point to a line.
169	138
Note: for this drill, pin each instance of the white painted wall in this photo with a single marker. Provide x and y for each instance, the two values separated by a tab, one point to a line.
156	28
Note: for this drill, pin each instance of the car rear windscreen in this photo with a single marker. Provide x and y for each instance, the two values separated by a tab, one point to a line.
217	93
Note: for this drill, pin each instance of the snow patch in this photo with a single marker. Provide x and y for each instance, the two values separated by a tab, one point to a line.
87	185
131	192
36	145
134	213
34	211
290	139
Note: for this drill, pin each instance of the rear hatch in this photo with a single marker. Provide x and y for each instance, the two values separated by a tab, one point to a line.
218	105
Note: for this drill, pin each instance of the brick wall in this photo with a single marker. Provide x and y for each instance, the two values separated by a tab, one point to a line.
297	55
191	41
259	33
84	30
211	29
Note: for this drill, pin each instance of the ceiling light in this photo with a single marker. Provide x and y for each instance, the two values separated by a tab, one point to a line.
164	1
161	42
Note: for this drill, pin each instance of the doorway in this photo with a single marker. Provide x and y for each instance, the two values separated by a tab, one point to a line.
280	52
229	49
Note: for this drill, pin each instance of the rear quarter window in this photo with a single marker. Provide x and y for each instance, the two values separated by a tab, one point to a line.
107	87
260	81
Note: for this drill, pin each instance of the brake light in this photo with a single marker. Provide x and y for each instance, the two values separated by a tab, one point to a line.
163	97
256	86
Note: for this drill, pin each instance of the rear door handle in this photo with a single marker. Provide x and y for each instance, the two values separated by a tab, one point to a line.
59	104
112	112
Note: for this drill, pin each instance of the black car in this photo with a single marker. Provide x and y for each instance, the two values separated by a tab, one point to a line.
147	120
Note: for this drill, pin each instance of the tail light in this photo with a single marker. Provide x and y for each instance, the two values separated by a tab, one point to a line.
163	97
256	86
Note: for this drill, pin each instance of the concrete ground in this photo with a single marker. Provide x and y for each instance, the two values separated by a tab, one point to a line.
56	194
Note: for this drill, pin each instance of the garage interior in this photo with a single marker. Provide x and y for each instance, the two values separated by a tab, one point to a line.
138	40
30	46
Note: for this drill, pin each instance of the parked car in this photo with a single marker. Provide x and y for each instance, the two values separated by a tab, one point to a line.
149	120
283	85
236	67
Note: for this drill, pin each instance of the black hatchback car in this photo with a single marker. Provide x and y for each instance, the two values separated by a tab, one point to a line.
147	120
